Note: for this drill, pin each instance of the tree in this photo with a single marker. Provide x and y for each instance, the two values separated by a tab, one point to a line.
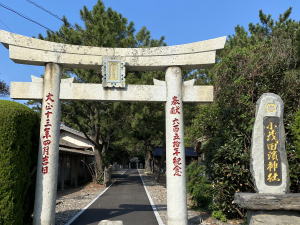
3	88
102	123
296	132
262	59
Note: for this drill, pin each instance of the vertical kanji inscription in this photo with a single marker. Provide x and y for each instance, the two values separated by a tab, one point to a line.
272	162
46	142
175	110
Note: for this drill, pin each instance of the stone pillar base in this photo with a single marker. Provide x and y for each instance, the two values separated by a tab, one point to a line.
277	217
108	222
107	176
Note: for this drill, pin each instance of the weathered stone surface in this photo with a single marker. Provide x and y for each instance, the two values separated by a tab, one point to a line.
9	38
47	167
273	217
33	51
76	91
175	154
133	63
107	176
257	201
270	172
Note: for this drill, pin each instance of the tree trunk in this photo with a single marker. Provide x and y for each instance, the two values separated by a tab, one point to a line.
148	167
160	168
99	163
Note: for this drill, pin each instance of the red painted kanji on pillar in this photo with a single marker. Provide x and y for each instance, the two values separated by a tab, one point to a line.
47	137
175	110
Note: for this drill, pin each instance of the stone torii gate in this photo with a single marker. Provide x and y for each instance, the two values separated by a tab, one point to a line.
51	90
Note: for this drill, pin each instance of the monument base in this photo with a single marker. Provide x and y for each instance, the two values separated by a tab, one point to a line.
270	209
277	217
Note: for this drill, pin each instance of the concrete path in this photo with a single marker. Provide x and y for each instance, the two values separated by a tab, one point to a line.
125	200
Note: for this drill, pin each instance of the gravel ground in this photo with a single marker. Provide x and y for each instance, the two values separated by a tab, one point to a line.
158	194
71	201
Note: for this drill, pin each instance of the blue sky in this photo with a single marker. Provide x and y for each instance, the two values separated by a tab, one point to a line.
179	21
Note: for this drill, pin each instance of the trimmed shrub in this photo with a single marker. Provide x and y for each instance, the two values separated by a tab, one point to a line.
19	129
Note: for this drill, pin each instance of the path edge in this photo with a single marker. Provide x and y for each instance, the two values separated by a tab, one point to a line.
154	208
88	205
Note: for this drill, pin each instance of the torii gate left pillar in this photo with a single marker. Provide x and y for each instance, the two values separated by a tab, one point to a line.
47	167
51	90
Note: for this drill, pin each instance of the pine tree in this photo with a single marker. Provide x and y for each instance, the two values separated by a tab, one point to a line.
4	90
104	124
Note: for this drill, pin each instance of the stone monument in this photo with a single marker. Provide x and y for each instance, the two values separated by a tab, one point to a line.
271	205
270	173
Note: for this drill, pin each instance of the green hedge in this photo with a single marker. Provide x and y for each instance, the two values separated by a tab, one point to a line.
19	132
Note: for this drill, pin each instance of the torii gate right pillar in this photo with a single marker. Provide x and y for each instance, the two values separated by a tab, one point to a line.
175	151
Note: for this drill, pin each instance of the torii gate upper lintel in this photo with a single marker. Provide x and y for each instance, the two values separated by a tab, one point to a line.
32	51
51	89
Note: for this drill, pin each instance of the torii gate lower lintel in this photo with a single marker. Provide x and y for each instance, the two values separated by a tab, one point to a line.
95	92
51	89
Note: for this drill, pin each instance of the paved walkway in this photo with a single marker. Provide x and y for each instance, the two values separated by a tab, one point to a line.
125	200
